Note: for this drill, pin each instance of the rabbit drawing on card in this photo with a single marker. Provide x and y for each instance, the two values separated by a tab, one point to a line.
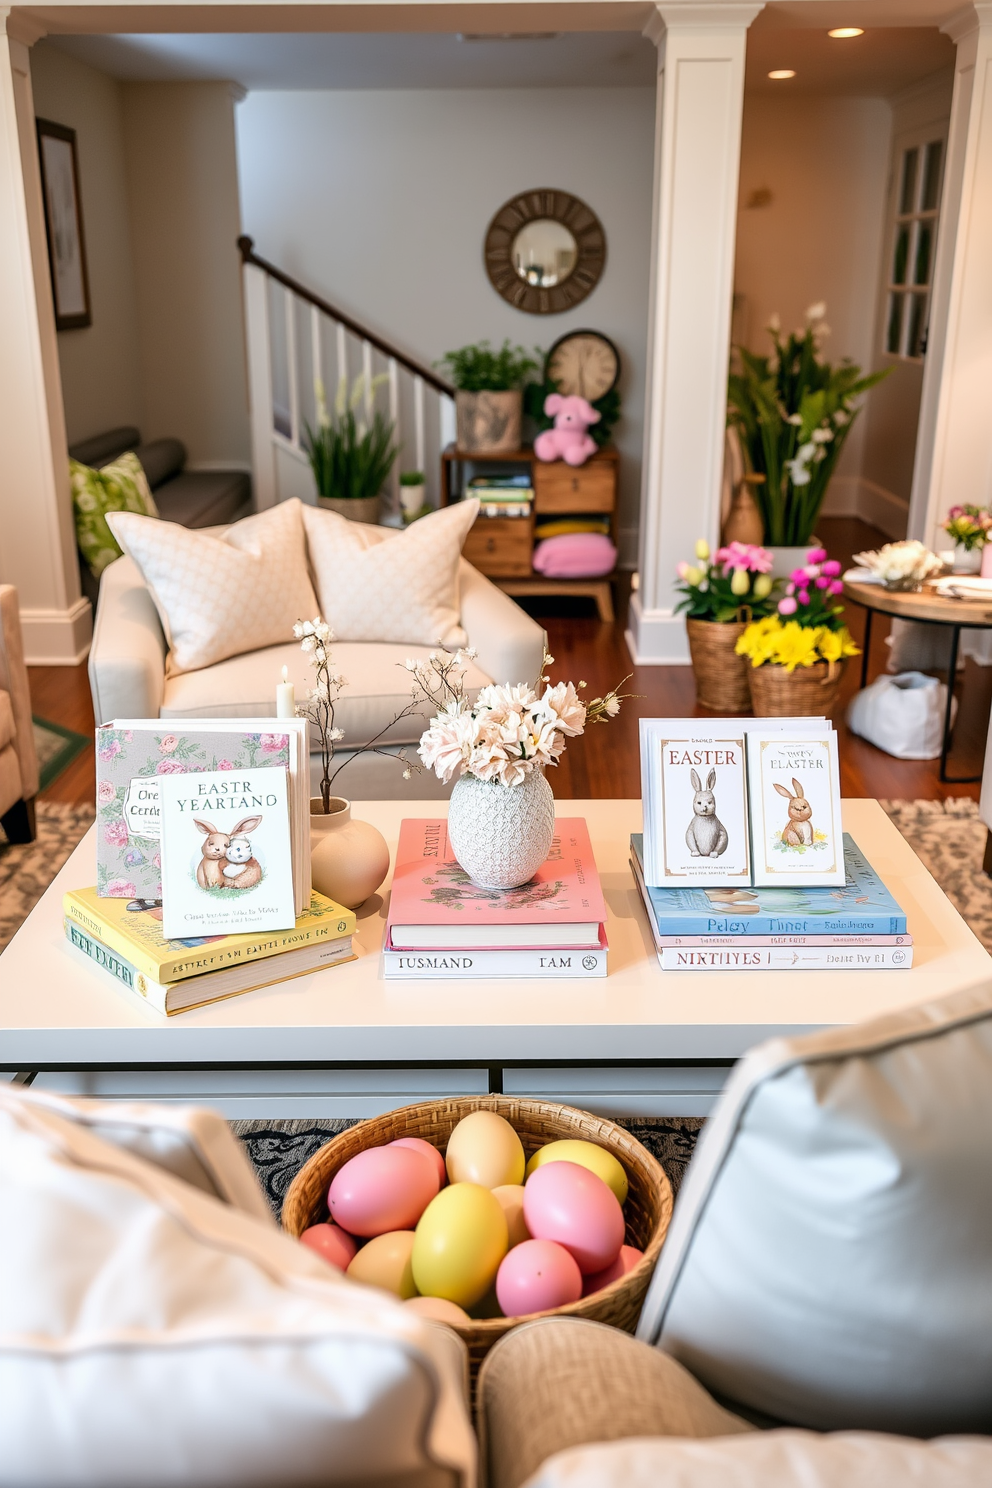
243	870
706	836
798	832
209	872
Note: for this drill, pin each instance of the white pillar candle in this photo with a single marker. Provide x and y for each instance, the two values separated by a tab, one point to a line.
285	697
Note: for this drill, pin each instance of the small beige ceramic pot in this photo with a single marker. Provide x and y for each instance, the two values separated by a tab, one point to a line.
349	859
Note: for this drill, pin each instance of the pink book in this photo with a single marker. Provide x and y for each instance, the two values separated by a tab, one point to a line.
435	906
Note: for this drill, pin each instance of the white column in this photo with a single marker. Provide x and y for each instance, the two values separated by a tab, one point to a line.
37	538
954	444
697	160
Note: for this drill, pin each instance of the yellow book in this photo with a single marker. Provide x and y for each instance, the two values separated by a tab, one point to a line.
133	928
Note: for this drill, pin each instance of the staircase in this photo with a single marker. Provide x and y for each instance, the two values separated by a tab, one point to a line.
295	338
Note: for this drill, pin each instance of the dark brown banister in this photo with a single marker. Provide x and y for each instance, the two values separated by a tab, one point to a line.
249	256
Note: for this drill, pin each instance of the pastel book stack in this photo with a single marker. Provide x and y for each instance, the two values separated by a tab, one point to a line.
124	937
789	928
502	495
440	925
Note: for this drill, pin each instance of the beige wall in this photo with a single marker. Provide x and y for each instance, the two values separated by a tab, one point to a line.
185	219
99	363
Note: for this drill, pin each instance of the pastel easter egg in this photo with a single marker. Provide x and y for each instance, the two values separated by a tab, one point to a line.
570	1205
385	1262
331	1242
536	1276
440	1309
460	1241
382	1189
417	1144
484	1149
587	1155
511	1201
625	1261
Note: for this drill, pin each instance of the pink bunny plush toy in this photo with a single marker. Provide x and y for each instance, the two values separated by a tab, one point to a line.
568	439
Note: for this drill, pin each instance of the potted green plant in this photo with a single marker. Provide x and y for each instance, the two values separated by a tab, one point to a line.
792	412
488	388
413	493
351	451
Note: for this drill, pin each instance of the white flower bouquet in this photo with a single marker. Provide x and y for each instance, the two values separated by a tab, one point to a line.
900	565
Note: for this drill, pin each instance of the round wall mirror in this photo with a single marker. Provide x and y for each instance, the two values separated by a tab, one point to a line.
545	251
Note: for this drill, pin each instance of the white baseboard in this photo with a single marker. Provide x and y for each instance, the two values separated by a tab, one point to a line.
656	637
854	496
57	637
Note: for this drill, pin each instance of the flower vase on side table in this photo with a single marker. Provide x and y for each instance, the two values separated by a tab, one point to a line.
501	834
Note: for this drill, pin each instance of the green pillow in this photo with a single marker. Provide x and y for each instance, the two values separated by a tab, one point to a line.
120	486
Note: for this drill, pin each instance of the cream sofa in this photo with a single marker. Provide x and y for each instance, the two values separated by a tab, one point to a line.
129	675
18	757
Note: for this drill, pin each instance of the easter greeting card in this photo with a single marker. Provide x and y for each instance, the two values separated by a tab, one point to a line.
795	808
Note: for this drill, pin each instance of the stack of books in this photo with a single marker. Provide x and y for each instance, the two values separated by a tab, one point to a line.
859	927
503	495
442	926
125	938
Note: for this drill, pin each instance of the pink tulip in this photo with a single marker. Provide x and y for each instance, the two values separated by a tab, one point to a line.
831	568
822	583
816	555
787	606
803	596
836	587
682	569
798	576
790	588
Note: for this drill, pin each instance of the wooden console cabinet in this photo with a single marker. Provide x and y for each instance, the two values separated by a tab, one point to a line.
502	547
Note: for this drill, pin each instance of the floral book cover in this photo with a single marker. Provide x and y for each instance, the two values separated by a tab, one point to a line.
430	888
129	765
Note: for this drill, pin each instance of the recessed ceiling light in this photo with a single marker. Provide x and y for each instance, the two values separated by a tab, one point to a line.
782	72
842	33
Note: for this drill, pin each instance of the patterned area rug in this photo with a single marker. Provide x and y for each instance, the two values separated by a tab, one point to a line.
57	747
27	869
949	838
278	1149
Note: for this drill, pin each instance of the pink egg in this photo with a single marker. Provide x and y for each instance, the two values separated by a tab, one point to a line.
417	1144
382	1189
625	1261
572	1206
537	1275
331	1242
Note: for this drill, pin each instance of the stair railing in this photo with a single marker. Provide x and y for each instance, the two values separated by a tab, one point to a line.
295	339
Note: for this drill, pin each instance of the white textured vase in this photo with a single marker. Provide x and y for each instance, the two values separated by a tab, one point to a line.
501	834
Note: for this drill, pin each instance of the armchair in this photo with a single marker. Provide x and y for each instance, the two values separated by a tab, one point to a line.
18	758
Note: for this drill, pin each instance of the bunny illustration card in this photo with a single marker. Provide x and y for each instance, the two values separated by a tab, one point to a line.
794	787
227	864
702	803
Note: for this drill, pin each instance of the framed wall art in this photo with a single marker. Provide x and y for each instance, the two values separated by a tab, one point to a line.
64	225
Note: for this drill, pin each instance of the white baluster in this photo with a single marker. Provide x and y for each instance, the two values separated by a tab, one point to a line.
342	358
294	392
367	375
394	414
315	350
418	419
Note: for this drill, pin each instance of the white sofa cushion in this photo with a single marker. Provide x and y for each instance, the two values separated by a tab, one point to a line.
245	687
221	595
772	1459
153	1336
830	1257
377	584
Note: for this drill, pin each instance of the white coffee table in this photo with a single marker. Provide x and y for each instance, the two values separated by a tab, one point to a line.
344	1042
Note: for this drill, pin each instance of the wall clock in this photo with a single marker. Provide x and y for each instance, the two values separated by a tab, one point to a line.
545	251
584	364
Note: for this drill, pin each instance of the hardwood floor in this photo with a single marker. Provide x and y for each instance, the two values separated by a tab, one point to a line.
604	762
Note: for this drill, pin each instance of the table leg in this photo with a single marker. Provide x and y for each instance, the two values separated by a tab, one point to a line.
866	648
952	666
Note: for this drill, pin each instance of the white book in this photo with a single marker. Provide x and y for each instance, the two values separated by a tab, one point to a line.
794	789
786	958
227	862
502	965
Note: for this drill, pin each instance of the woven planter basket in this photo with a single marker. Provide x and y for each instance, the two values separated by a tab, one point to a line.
647	1211
721	675
805	693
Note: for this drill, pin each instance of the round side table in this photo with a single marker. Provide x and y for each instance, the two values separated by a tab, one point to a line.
932	608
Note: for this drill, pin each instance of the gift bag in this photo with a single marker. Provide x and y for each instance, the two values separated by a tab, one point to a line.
903	715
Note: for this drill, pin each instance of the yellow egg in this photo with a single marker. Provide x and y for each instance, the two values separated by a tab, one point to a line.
587	1155
484	1149
459	1243
385	1262
438	1308
511	1201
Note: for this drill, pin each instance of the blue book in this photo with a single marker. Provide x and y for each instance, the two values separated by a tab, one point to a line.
863	906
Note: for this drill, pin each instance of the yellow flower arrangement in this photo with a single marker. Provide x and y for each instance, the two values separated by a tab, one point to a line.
789	644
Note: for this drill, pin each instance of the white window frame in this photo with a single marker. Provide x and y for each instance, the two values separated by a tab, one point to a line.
914	220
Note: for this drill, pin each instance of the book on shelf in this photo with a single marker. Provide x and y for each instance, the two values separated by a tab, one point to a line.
521	481
862	907
133	756
171	997
731	802
133	930
434	906
506	965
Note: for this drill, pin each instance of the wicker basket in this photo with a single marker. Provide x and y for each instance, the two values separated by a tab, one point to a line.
807	692
721	675
647	1211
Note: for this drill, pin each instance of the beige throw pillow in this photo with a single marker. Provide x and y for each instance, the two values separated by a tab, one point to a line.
220	596
376	584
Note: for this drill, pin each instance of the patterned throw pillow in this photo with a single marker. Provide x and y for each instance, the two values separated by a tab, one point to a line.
120	486
223	596
374	584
